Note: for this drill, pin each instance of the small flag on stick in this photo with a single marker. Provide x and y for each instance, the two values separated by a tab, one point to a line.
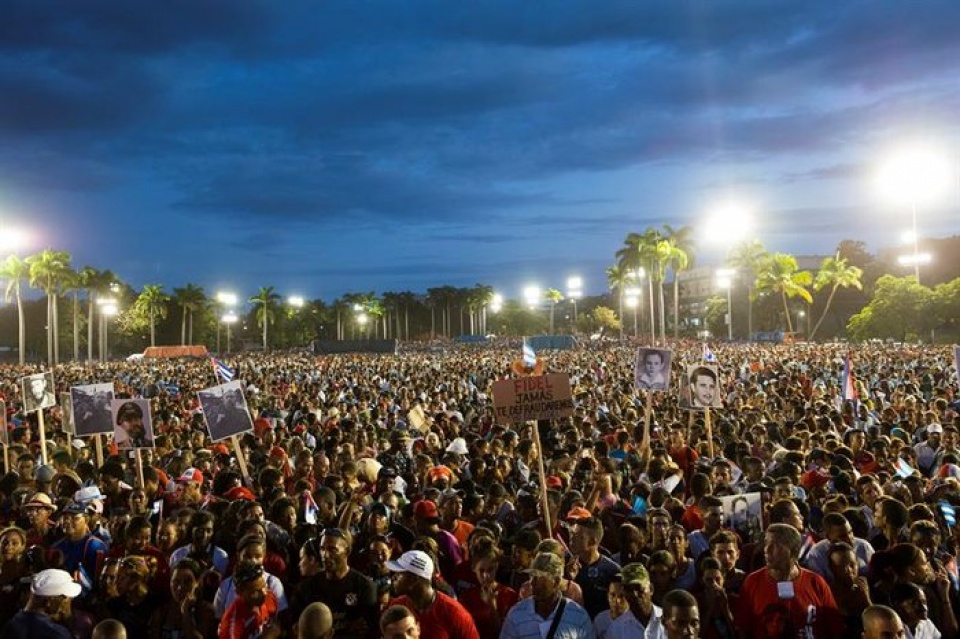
529	355
222	371
949	513
849	388
904	469
708	355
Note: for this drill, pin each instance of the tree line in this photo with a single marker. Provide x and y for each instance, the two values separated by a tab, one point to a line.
771	292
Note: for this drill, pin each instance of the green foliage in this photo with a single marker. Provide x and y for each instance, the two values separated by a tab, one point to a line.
900	309
605	318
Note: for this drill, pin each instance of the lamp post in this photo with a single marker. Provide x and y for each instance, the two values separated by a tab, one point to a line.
633	301
224	299
230	318
725	280
296	303
800	315
913	177
731	225
362	321
532	296
574	292
108	309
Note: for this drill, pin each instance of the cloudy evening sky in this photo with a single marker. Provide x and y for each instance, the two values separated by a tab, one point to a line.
324	147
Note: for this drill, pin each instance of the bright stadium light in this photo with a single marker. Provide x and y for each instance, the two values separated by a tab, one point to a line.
532	295
295	301
915	176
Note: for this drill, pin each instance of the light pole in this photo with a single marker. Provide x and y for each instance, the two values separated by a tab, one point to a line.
230	318
731	225
108	309
532	296
633	301
725	280
362	321
224	299
913	177
574	292
296	303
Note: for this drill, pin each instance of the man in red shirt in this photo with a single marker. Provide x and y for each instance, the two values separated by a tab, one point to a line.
784	600
253	614
439	616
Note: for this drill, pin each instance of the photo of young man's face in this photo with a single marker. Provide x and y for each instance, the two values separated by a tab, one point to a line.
653	363
703	387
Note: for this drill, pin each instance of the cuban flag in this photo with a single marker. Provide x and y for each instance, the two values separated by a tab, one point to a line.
949	513
904	469
223	371
849	388
708	355
310	508
529	356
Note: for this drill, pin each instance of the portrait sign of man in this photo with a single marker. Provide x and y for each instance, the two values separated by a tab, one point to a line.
703	388
132	424
225	410
91	409
652	369
38	392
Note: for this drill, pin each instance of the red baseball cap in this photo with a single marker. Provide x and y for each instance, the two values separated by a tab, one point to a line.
240	492
579	513
426	510
554	482
191	474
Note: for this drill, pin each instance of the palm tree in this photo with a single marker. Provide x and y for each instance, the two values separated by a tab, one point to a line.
407	299
391	306
779	273
480	297
681	260
435	297
618	277
553	296
152	302
71	284
266	300
190	299
640	253
15	271
835	272
49	270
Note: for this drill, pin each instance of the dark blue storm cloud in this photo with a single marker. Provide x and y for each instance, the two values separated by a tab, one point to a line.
335	146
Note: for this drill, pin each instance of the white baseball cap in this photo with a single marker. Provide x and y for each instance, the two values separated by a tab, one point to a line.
416	562
54	583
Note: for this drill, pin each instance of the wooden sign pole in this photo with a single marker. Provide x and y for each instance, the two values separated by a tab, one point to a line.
706	415
242	461
43	437
544	502
99	445
140	469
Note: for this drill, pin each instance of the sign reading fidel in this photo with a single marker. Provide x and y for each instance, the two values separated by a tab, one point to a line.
525	399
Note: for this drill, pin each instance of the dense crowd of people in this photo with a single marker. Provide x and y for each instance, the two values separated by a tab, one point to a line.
377	496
